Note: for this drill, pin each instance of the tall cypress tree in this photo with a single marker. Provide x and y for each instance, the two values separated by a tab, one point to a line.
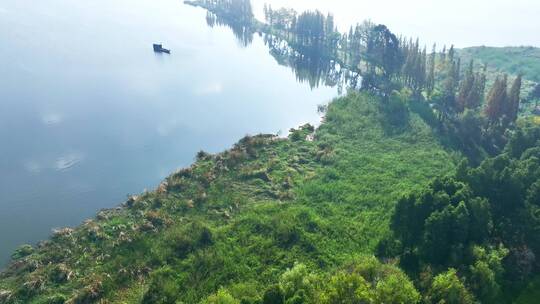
512	105
449	87
466	87
431	73
496	99
443	55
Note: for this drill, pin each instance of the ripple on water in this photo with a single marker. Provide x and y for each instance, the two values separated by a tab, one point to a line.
68	161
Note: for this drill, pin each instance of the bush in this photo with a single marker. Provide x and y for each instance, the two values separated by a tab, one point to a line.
22	251
297	283
221	297
187	239
347	288
163	289
447	288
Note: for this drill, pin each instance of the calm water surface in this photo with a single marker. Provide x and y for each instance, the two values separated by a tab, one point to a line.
89	114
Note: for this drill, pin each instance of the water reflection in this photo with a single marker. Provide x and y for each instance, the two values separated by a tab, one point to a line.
310	65
244	33
309	58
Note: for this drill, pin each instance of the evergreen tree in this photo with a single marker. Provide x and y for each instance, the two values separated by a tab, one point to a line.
451	54
449	88
443	55
383	51
476	95
512	106
496	99
430	81
466	87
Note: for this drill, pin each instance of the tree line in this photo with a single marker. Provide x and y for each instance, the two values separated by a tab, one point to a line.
471	112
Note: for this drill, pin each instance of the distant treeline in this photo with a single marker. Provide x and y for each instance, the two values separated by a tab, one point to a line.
370	57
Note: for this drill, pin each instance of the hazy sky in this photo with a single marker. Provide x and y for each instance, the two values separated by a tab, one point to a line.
460	22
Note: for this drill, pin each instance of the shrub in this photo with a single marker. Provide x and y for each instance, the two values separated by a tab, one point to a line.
56	299
221	297
22	251
189	238
297	283
447	288
163	289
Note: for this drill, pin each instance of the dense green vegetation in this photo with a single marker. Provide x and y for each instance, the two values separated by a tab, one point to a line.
482	221
523	60
422	185
514	61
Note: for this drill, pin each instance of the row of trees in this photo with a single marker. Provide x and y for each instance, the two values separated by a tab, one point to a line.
308	29
475	122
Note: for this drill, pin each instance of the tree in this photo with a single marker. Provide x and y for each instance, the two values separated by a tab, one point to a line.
439	223
466	87
476	94
448	289
430	81
535	95
486	273
496	99
297	283
396	289
369	281
221	297
383	51
347	288
512	105
449	87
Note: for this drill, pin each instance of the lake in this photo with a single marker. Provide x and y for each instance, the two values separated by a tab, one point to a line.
89	113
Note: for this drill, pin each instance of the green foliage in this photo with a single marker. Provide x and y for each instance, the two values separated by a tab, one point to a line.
347	288
462	221
273	295
447	288
441	222
221	297
163	289
396	289
22	251
369	281
513	60
297	283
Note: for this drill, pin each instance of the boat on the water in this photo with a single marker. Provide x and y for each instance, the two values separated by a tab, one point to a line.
158	48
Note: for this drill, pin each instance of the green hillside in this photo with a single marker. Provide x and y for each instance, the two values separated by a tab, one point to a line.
523	60
513	60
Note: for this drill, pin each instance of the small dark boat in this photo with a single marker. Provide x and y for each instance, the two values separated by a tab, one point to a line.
158	48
